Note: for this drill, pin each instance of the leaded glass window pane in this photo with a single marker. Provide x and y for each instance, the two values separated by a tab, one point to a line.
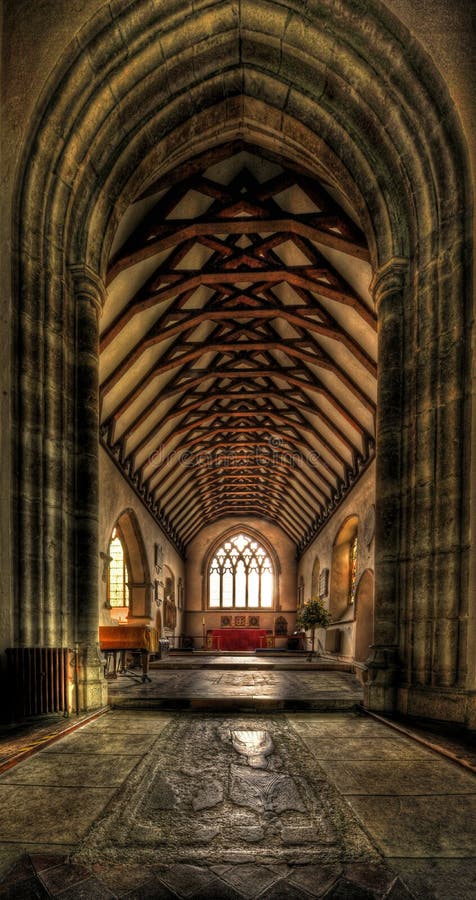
214	588
227	600
240	584
118	594
267	590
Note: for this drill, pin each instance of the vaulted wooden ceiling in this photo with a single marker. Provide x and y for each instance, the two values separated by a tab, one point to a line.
239	346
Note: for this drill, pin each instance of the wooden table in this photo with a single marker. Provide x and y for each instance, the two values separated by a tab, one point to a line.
117	639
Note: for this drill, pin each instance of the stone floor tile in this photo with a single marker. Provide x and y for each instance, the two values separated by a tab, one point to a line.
91	889
337	726
120	878
317	879
149	722
400	776
374	876
420	826
103	742
26	889
68	769
438	879
59	878
348	890
18	869
186	879
261	687
250	879
362	748
398	891
43	861
49	815
283	890
217	890
153	889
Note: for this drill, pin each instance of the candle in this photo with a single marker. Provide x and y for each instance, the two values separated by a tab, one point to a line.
203	620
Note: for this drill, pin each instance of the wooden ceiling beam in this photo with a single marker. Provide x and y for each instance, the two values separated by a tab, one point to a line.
174	231
215	415
301	444
275	465
258	486
182	281
291	348
191	319
323	485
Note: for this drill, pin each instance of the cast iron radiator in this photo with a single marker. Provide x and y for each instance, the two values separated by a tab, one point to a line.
38	680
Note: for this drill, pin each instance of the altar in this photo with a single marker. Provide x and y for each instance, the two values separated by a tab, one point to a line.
238	638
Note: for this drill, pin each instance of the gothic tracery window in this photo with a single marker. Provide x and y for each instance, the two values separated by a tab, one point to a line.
117	591
241	575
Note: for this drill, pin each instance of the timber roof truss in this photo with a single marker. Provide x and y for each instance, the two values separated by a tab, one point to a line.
238	350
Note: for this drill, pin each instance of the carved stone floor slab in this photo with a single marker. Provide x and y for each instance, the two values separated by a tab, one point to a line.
213	787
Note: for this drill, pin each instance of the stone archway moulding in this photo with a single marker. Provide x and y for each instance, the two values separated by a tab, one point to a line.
349	92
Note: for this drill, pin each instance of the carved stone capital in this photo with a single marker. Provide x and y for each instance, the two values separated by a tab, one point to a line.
88	286
389	279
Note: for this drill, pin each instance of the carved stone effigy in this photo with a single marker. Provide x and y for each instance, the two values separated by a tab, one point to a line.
213	786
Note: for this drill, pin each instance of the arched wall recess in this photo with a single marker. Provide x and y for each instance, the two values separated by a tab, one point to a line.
359	100
140	584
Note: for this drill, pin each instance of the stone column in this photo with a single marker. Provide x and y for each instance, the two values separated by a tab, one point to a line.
89	293
388	288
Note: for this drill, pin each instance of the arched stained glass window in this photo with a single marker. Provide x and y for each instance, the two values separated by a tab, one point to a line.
118	594
241	575
352	569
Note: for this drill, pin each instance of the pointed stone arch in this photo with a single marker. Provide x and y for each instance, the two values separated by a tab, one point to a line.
139	584
352	97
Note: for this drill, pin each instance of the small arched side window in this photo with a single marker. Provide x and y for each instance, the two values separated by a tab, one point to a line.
117	590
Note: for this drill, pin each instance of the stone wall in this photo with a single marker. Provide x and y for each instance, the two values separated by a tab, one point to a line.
195	587
359	503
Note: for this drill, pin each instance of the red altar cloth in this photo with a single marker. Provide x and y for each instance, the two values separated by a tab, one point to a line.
238	638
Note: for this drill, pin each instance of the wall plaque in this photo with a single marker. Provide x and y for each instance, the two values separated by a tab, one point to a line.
324	583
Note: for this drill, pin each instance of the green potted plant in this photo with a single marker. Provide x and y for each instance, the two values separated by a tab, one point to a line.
311	616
